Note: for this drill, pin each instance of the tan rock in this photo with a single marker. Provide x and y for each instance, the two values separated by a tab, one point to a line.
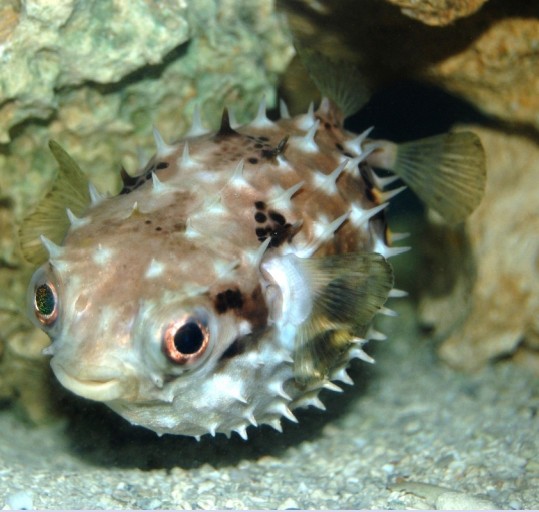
489	56
499	71
490	302
438	12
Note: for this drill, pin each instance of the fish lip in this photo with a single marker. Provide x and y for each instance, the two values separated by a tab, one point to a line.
101	390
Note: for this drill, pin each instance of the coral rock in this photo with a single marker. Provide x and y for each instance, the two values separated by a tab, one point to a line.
438	12
499	71
492	267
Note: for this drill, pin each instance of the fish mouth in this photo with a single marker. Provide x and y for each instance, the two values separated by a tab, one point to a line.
101	390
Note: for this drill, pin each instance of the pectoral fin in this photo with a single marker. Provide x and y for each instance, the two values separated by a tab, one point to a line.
69	190
339	297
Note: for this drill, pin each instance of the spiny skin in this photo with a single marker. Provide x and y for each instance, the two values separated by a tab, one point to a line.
189	236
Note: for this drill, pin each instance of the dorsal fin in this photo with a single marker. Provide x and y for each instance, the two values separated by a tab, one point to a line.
69	190
340	81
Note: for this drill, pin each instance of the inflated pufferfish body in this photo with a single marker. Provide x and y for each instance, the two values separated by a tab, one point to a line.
237	274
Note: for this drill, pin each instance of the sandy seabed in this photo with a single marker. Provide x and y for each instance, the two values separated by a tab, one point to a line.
410	434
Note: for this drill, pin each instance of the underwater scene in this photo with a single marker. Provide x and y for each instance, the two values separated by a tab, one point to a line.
269	254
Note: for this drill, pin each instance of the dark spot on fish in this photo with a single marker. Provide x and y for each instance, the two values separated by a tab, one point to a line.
162	165
158	228
258	145
255	309
260	232
148	175
234	349
366	174
260	217
147	221
379	225
263	138
327	126
260	205
248	342
225	130
273	152
131	183
347	154
280	234
229	299
252	160
339	146
277	217
127	179
140	180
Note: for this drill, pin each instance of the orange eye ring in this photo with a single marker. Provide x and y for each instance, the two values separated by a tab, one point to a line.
46	303
185	340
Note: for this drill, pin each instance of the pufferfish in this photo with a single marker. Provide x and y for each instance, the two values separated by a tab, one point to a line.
237	274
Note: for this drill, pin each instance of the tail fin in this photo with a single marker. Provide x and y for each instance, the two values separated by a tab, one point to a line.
447	172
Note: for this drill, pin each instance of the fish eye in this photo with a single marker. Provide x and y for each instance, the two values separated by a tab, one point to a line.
46	303
185	340
42	299
43	302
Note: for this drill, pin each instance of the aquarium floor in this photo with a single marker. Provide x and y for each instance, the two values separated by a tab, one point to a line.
410	434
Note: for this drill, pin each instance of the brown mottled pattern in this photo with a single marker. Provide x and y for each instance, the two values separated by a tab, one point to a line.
182	245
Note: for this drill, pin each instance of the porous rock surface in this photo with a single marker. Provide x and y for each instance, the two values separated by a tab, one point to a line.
485	51
486	304
498	67
48	46
499	71
438	12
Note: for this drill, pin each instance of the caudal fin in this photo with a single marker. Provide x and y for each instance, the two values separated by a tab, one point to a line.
447	172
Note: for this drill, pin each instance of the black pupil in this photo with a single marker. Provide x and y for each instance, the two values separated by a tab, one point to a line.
45	300
189	338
